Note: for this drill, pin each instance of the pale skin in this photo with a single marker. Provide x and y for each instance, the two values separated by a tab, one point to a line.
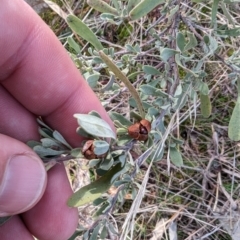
37	78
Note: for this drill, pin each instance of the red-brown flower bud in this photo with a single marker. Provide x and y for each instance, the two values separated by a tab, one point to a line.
88	150
140	130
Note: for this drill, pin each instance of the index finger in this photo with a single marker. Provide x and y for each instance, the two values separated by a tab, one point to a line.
37	71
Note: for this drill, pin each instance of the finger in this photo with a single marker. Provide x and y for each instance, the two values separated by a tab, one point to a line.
14	229
15	120
22	177
61	220
48	210
38	72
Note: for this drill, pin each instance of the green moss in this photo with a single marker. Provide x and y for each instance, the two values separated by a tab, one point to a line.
49	16
124	31
182	73
230	52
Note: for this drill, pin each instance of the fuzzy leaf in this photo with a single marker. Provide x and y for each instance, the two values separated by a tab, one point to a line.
176	157
95	126
233	128
80	131
73	44
83	31
33	143
214	12
118	117
100	147
211	43
235	32
203	88
191	43
105	206
181	41
93	163
58	136
131	4
102	6
43	152
152	91
95	189
151	70
206	107
93	79
48	143
95	232
76	152
104	233
143	8
106	164
167	53
94	113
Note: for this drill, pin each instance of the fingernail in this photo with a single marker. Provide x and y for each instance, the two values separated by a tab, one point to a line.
22	185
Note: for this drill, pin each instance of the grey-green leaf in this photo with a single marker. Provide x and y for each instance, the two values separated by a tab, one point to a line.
95	232
100	147
45	132
58	136
49	143
235	32
102	6
105	206
95	113
118	117
76	152
150	70
43	152
167	53
104	233
106	164
95	189
93	80
83	31
143	8
93	163
95	126
191	43
80	131
152	91
73	44
176	157
181	41
131	4
33	143
206	106
41	123
234	124
214	12
203	88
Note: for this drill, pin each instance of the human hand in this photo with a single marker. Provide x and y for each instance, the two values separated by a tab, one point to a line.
37	79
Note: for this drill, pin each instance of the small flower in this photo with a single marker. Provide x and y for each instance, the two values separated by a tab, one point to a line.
88	151
140	130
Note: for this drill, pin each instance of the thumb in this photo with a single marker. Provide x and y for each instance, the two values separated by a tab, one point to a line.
22	177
